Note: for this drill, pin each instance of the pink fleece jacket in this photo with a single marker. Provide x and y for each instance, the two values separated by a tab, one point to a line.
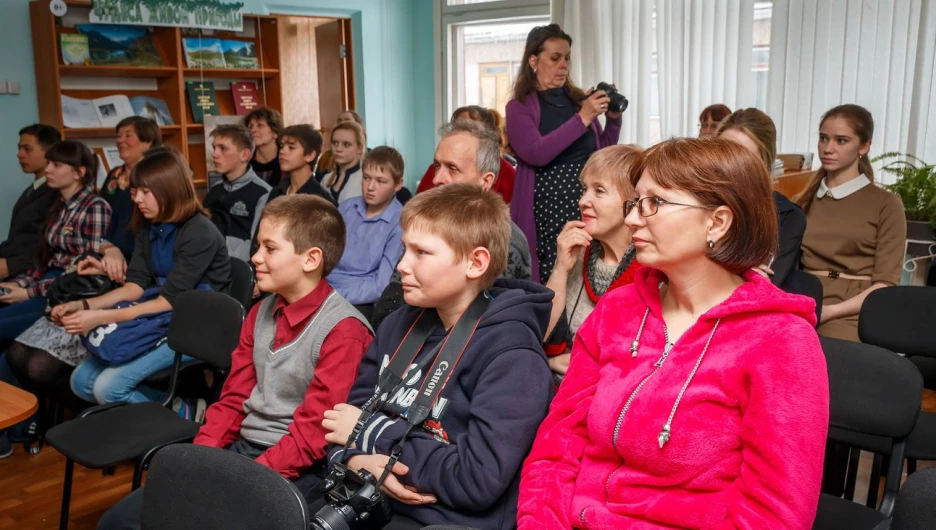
747	440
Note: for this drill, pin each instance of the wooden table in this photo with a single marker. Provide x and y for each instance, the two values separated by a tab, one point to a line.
790	184
16	405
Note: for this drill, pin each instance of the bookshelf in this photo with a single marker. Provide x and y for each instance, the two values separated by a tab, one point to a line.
167	82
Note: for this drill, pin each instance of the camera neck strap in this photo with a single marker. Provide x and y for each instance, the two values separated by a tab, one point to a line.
447	354
441	369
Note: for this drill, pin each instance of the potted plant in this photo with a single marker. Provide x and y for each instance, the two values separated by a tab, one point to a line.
916	187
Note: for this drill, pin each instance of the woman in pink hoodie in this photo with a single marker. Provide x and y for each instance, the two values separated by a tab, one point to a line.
698	396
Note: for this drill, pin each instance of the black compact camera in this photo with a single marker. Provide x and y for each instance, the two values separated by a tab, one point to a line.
355	502
618	102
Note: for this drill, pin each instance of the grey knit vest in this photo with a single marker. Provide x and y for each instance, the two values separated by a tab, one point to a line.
284	375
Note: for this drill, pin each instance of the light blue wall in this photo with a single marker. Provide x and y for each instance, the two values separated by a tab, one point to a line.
393	72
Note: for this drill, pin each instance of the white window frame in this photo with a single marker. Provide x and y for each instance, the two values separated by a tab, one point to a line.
446	16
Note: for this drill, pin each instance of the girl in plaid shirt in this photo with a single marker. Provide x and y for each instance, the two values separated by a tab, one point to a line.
76	225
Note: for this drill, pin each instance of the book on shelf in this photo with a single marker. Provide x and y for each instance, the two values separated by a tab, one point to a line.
108	111
201	52
75	49
120	45
239	54
246	97
152	108
202	99
112	156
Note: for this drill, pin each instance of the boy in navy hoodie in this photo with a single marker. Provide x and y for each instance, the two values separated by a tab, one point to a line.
462	466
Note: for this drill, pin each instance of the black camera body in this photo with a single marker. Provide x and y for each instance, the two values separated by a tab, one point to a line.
618	102
355	502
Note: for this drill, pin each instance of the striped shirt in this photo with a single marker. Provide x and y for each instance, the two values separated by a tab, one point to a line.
78	228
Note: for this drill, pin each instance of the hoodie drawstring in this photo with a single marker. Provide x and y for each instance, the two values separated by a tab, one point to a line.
666	432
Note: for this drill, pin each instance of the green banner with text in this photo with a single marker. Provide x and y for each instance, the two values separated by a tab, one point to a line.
205	14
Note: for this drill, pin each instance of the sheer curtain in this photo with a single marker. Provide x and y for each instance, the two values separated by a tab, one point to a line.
878	54
704	57
612	41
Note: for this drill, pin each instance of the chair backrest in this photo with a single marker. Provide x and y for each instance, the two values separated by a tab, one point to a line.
242	282
916	502
874	395
205	488
872	391
900	319
801	282
206	325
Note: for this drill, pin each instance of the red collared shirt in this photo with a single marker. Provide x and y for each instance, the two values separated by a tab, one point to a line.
335	372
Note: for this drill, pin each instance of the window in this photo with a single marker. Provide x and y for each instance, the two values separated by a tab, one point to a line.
488	57
483	41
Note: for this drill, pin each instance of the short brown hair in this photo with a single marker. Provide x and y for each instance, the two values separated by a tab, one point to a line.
237	134
721	173
616	160
717	112
757	126
308	138
272	117
309	221
146	129
163	171
386	158
465	216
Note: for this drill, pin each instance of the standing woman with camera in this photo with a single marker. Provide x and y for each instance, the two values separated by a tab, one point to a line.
552	126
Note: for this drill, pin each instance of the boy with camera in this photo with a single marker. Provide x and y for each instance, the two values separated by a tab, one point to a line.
297	357
454	385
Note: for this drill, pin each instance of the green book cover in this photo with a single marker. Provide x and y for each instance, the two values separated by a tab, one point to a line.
202	99
75	49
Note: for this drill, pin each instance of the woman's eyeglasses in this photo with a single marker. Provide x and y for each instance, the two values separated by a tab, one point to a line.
649	206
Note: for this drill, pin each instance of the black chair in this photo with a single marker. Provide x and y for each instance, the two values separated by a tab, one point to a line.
801	282
205	325
903	320
192	487
242	284
916	502
873	394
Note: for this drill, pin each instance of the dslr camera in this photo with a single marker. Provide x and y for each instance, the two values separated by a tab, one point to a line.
355	502
618	102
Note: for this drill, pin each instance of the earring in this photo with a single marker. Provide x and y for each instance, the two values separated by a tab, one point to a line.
534	69
711	245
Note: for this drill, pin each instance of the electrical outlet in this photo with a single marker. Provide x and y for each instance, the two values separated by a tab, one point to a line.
3	87
13	87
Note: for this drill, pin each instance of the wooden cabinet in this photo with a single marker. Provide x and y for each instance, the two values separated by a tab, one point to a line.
166	82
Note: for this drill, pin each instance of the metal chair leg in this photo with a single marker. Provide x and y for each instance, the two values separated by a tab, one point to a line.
851	475
138	468
66	494
874	482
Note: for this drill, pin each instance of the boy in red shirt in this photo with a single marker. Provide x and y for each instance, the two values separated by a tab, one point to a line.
298	355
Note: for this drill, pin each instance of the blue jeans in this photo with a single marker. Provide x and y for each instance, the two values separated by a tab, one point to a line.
98	383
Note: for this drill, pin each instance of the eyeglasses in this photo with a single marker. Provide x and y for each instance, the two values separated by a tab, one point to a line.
649	206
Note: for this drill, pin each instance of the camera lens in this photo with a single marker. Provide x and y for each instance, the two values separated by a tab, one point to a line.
333	517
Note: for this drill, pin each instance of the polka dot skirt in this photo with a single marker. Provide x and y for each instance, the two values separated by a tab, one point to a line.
555	202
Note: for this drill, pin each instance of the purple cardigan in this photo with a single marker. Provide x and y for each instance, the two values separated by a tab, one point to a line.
534	151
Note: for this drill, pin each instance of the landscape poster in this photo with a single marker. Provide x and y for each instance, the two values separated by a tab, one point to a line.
203	53
123	45
239	54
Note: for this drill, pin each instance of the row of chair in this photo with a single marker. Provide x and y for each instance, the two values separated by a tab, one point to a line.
875	397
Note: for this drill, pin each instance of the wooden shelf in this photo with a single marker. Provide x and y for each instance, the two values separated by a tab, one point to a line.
108	132
117	71
235	73
169	78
